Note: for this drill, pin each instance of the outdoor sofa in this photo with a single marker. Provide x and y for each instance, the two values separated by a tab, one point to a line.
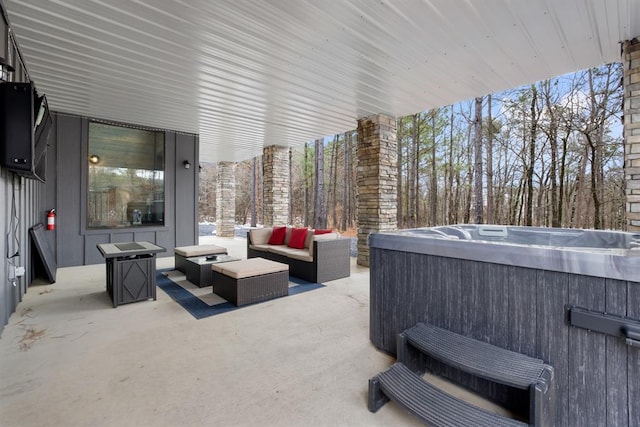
311	256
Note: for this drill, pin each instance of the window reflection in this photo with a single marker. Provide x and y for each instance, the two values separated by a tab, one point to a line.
126	177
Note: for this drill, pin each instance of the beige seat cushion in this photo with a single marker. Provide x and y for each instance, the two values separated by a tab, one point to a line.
260	236
249	268
301	254
265	247
199	250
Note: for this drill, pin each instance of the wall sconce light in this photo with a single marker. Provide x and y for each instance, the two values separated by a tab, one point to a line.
94	159
186	164
5	69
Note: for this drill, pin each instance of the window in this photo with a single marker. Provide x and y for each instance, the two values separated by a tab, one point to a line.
126	177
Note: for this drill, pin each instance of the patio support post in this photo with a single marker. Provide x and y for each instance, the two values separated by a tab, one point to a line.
631	81
377	179
275	163
226	199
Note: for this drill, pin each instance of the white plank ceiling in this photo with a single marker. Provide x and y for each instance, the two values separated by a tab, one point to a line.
244	74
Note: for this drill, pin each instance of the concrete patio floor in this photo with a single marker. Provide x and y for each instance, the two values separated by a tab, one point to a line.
67	358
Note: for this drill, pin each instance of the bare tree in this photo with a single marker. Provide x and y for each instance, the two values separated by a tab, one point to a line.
433	182
532	155
345	180
319	208
489	161
253	192
478	193
307	189
400	169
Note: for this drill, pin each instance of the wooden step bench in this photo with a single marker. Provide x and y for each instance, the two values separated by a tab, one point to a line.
468	355
427	402
476	357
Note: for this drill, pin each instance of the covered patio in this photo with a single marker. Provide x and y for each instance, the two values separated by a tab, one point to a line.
224	82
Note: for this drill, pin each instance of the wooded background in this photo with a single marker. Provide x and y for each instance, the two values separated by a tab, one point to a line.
548	154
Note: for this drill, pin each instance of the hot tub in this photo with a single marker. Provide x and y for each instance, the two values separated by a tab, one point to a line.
515	287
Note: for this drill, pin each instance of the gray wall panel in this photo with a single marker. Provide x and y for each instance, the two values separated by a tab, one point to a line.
21	203
91	253
122	237
148	236
50	195
165	239
187	196
170	189
70	242
76	244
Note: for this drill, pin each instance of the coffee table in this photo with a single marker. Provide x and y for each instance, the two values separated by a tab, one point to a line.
198	269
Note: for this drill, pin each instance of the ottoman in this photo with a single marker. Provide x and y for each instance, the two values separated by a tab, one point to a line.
183	252
251	280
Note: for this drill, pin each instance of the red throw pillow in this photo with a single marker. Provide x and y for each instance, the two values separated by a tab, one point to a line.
298	236
320	231
277	236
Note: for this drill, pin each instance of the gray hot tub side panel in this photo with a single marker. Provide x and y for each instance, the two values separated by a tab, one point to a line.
614	263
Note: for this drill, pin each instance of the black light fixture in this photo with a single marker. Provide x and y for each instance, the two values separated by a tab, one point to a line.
94	159
186	164
5	69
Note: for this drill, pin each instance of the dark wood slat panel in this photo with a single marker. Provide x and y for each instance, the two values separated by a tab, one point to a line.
633	357
553	334
587	383
68	186
616	357
522	311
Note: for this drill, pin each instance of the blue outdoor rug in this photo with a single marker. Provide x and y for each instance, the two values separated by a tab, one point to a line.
202	302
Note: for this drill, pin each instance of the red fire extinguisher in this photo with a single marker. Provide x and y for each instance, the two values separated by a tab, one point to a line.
51	220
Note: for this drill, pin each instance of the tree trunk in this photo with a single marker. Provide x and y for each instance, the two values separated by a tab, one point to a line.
490	201
413	172
290	214
477	142
553	167
433	220
333	180
466	215
561	178
452	207
319	209
345	180
577	192
532	154
400	199
306	185
253	192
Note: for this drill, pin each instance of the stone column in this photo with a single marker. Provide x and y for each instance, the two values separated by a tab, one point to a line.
226	199
275	161
631	65
377	179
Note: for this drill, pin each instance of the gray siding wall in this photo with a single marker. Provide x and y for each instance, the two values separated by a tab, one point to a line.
65	191
20	209
73	243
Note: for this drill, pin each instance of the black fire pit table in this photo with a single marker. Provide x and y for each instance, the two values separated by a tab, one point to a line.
131	270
